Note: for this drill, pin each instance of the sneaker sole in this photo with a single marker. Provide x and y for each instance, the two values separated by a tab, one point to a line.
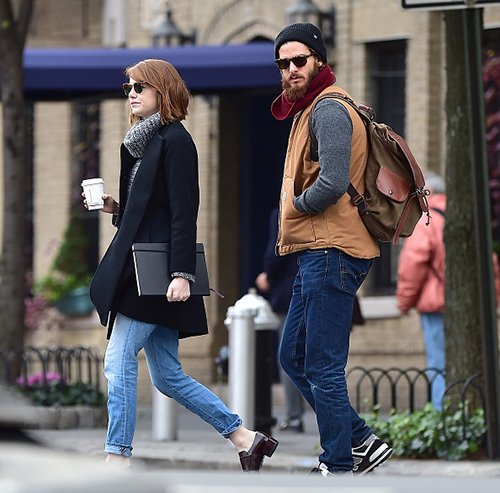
382	458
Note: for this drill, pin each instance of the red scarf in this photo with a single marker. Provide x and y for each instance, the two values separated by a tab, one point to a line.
282	108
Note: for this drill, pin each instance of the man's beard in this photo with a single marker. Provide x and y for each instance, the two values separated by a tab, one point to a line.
294	92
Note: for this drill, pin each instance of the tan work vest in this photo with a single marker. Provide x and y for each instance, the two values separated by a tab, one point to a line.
337	226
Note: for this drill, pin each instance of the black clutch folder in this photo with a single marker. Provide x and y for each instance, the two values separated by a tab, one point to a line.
152	272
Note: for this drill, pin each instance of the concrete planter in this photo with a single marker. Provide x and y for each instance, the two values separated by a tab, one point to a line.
67	417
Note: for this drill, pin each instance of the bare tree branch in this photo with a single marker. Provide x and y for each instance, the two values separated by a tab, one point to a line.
23	20
7	26
6	14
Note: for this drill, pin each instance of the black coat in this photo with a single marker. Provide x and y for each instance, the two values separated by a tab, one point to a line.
162	207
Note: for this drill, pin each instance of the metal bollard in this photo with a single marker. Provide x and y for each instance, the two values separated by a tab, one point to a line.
164	417
240	323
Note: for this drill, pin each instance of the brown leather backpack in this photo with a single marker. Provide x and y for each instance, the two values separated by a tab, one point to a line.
394	197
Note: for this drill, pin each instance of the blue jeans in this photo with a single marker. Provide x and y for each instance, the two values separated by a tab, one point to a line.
315	347
433	329
293	397
120	368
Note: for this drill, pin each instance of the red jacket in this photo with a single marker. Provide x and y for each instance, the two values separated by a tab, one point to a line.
421	269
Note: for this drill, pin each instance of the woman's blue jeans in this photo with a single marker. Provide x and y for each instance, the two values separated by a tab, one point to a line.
315	347
120	368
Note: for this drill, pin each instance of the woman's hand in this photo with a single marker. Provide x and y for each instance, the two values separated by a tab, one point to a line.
178	290
111	206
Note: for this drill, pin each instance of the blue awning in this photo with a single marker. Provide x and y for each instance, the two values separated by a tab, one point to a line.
205	69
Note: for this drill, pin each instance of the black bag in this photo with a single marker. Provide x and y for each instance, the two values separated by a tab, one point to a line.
152	273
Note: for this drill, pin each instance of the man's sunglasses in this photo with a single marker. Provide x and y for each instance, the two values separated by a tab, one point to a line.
136	86
298	61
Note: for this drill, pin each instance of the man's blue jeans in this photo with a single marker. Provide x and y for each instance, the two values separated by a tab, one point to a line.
315	347
433	329
120	368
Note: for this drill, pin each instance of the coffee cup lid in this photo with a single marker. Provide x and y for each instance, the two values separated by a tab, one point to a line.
92	181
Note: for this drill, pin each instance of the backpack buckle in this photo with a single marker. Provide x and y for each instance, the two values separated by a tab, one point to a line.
357	200
368	110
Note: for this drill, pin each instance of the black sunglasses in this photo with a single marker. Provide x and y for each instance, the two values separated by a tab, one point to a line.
136	86
298	61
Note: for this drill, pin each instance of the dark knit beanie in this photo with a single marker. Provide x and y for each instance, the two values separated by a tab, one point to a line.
305	33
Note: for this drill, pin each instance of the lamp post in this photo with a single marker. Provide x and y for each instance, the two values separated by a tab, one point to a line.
167	32
307	11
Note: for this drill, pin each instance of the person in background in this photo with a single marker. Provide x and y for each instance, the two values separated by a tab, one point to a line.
421	283
335	251
275	282
159	200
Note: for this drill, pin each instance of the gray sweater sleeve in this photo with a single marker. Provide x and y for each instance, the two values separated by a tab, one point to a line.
332	127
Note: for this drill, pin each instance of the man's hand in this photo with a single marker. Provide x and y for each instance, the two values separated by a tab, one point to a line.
178	290
262	283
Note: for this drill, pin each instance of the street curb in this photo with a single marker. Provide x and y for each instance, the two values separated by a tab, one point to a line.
67	417
303	465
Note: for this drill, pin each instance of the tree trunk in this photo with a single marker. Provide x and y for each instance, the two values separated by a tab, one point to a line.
463	315
15	164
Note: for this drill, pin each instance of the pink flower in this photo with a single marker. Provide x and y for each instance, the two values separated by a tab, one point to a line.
40	379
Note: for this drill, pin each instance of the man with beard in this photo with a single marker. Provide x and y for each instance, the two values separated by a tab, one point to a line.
335	250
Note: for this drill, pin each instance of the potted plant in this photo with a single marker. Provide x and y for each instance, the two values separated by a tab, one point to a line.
67	283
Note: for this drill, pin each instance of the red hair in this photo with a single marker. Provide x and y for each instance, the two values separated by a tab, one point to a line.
173	95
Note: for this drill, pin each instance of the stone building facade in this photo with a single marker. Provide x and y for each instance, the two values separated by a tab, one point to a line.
365	30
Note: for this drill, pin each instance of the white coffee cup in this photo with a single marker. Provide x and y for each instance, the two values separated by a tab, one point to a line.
93	189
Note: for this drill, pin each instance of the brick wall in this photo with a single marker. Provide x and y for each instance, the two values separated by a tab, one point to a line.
68	23
52	178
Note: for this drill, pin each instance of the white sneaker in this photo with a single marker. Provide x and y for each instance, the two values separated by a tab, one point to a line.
324	471
370	455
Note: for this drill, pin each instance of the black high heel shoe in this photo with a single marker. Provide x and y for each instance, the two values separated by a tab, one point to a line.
263	445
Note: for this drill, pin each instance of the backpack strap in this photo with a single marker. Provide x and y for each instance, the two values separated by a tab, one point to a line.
366	114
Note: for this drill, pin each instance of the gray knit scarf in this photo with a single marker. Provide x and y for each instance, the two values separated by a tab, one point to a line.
140	134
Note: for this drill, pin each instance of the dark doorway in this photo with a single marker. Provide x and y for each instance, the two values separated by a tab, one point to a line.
263	148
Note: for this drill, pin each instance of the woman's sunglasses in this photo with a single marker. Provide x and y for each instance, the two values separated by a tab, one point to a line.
136	86
298	61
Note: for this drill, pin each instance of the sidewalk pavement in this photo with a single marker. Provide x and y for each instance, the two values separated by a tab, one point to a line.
199	447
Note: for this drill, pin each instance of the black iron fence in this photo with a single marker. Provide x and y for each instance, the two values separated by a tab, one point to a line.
469	394
407	389
41	365
410	389
386	389
391	388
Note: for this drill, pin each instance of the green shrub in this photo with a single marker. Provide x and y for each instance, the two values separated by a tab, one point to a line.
429	433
